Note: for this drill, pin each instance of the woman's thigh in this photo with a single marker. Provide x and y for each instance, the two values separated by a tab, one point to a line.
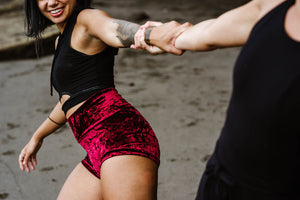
81	184
129	177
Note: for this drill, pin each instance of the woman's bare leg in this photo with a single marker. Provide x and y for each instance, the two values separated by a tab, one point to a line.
129	177
81	184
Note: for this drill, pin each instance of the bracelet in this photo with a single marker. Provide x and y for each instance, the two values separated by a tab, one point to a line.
55	121
147	35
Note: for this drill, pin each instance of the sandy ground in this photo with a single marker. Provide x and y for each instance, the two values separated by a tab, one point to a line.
183	97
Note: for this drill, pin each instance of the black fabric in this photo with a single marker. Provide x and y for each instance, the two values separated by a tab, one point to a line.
260	141
77	74
218	184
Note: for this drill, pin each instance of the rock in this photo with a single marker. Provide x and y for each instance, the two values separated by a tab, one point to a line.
28	49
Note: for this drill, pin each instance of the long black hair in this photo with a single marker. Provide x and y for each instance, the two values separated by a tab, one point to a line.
36	22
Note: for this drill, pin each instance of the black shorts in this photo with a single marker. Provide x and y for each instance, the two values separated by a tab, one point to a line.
218	184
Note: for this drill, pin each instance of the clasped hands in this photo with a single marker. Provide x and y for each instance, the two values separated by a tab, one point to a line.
162	37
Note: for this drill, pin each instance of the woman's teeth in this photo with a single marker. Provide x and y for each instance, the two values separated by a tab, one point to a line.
55	11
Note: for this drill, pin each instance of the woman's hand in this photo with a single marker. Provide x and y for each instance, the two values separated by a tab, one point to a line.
164	35
27	156
140	43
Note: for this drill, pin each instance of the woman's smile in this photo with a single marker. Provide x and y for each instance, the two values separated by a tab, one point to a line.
57	12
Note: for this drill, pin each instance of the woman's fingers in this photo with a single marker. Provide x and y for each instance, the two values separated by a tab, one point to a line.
27	157
141	44
139	39
25	163
21	159
154	50
34	160
30	163
152	23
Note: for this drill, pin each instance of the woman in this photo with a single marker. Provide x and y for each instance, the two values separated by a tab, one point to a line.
121	146
257	153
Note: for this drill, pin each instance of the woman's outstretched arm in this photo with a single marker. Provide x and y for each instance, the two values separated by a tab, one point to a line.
27	158
113	32
230	29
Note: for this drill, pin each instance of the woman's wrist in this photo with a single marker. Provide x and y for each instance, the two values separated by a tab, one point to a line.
148	27
147	35
37	138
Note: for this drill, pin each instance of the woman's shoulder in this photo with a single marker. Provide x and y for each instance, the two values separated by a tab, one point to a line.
266	5
86	29
88	15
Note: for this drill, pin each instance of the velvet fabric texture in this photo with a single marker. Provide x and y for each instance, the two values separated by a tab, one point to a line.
106	125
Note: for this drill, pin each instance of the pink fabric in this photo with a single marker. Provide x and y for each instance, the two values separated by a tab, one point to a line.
106	125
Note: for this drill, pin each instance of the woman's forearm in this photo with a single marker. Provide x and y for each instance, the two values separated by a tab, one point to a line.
125	32
54	121
228	30
196	38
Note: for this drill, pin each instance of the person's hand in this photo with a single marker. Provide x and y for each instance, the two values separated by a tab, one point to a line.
140	43
164	36
27	157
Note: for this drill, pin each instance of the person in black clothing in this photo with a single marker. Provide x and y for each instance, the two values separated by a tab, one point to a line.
257	153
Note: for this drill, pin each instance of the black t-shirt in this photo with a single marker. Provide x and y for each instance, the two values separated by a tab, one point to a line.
260	141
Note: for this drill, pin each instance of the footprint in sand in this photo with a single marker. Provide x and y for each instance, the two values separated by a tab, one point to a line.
46	169
8	153
4	195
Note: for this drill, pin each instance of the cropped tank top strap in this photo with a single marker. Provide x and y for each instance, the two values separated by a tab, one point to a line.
279	11
66	33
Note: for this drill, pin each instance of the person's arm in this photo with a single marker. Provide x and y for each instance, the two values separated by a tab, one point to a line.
28	154
113	32
230	29
54	121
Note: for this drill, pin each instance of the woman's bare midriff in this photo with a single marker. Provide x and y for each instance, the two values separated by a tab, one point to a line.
63	99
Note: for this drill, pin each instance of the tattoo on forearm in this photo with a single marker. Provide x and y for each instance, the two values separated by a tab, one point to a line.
126	32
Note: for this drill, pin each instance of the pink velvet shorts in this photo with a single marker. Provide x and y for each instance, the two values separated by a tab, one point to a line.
106	125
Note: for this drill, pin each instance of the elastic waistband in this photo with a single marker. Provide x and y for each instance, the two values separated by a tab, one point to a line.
90	101
81	96
97	108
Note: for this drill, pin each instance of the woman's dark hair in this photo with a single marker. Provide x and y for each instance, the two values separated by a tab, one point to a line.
36	22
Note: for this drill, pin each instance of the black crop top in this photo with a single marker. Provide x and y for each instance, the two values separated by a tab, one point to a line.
77	74
260	141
